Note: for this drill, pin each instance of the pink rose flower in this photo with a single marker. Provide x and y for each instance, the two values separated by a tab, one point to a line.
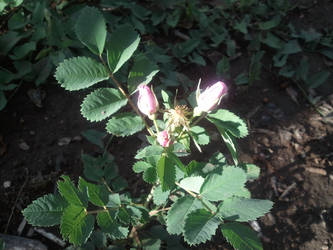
163	138
211	96
147	102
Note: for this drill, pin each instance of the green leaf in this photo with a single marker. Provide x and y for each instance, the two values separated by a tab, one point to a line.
91	29
275	21
317	79
151	244
150	175
45	211
2	243
252	171
153	150
166	173
287	71
160	197
17	21
97	194
23	50
241	236
109	225
94	136
9	40
280	59
92	169
227	120
102	103
72	195
125	124
220	187
243	209
200	135
80	72
114	201
303	69
76	225
192	183
273	41
200	226
166	99
291	47
328	53
178	212
143	71
241	79
141	166
230	143
123	42
3	100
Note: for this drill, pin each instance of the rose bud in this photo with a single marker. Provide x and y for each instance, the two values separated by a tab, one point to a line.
210	97
147	102
163	138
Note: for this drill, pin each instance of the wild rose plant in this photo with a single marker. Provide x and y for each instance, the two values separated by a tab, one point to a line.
191	199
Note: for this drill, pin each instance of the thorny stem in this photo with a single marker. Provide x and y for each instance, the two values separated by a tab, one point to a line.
197	197
127	96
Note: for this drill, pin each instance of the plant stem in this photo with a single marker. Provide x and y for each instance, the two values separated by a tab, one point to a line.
150	196
154	212
106	184
197	197
127	96
156	126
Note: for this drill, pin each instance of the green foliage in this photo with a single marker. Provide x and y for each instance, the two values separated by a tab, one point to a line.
178	213
200	226
200	135
166	172
102	103
94	136
97	194
220	187
160	197
124	124
123	42
80	72
45	211
241	236
230	122
192	183
108	225
242	209
71	194
76	224
149	151
90	29
143	71
2	243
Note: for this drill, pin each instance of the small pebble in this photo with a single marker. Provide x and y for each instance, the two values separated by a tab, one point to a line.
7	184
64	141
24	146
